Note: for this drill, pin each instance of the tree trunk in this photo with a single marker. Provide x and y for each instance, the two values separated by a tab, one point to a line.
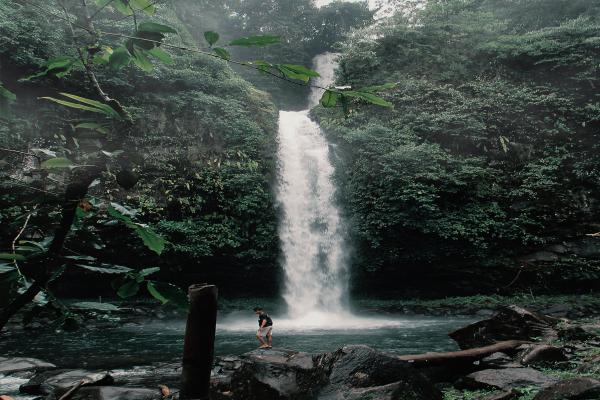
198	348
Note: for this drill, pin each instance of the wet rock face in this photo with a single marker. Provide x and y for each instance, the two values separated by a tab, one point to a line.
268	374
541	354
58	382
576	388
505	379
353	372
356	370
116	393
510	323
18	364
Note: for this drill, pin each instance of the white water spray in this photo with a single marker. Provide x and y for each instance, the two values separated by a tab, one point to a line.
310	230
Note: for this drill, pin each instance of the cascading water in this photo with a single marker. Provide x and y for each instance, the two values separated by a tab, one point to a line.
311	229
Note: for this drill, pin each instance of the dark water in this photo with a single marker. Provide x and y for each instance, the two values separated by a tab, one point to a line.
162	340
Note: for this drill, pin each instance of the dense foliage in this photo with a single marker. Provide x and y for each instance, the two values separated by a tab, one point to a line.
490	156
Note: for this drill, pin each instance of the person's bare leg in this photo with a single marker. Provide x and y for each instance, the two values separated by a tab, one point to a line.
270	339
261	340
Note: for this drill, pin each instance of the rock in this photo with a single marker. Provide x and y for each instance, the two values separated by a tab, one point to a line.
499	360
269	374
511	394
558	310
575	388
508	323
116	393
590	366
539	354
354	371
505	379
18	364
60	381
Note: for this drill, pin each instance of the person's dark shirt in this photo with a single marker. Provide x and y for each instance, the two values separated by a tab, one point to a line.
262	317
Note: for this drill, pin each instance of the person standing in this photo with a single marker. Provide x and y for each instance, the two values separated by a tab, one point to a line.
265	329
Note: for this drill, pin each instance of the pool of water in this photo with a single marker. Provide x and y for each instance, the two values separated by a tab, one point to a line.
156	341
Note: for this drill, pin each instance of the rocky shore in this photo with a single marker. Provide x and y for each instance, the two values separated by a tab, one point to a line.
513	354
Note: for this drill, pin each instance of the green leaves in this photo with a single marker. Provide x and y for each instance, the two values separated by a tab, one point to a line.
106	268
211	37
150	238
57	162
369	97
329	98
161	55
59	67
7	94
119	58
128	289
298	72
167	293
154	27
224	54
11	257
261	40
127	7
86	105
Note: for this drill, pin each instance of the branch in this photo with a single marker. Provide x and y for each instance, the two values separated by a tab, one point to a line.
21	152
86	65
14	242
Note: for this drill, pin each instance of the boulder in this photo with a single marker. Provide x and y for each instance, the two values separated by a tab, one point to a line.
505	379
499	360
19	364
354	371
268	374
571	389
542	353
60	381
116	393
509	323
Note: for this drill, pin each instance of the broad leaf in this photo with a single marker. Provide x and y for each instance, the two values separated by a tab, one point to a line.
146	6
7	94
211	37
224	54
261	40
329	98
128	289
5	268
151	239
149	271
167	293
106	269
141	60
122	6
119	58
85	104
154	27
160	54
296	72
371	98
93	126
11	256
58	162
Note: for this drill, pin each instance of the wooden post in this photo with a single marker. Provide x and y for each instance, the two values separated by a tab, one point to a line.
199	344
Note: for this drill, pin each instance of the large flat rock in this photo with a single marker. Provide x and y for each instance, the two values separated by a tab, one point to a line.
571	389
506	379
116	393
60	381
18	364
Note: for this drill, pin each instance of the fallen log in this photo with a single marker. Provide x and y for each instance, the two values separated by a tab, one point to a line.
461	356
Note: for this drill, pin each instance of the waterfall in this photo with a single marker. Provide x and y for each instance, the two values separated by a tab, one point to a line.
310	229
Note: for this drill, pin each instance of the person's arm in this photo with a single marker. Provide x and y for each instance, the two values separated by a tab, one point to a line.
263	323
